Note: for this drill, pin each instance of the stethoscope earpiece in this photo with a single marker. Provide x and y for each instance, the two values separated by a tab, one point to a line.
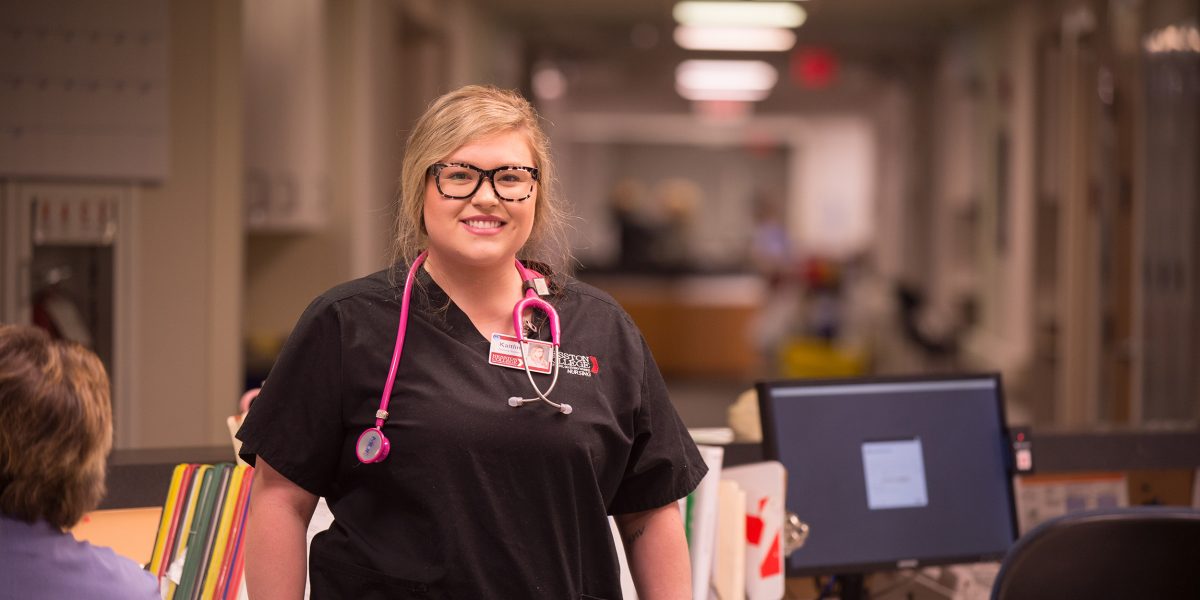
517	402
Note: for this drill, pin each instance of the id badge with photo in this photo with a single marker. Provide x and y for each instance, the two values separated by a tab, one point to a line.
506	352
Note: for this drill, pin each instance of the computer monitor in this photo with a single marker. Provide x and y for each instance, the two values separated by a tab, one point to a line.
892	473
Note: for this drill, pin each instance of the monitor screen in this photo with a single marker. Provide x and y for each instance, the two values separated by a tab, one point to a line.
892	473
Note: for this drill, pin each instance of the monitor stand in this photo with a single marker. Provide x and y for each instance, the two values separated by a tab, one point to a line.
850	587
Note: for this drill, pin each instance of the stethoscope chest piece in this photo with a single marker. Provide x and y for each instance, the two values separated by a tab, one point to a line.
372	446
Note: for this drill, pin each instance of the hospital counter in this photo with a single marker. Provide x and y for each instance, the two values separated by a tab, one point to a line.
697	325
1159	467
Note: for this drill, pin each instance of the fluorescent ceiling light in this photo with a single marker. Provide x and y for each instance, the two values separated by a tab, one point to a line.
733	95
753	14
762	39
748	80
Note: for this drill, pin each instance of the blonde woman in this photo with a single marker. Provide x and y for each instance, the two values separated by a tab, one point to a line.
55	434
450	471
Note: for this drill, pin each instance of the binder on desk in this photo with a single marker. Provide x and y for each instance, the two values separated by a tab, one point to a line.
196	538
765	485
180	481
701	521
231	561
197	552
222	532
196	564
729	561
183	530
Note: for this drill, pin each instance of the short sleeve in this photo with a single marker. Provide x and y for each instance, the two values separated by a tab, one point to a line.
295	424
664	464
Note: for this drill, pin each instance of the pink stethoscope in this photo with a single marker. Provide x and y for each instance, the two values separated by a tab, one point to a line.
372	446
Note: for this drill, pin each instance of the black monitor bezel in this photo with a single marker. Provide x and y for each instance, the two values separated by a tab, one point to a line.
771	452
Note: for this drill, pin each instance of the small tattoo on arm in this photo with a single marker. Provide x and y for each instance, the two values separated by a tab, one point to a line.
633	537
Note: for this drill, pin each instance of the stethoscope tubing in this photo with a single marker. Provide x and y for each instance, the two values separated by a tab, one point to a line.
381	414
530	301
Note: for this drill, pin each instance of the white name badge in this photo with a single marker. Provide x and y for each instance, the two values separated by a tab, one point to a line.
506	352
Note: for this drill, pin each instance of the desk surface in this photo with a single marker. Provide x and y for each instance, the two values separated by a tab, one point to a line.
128	531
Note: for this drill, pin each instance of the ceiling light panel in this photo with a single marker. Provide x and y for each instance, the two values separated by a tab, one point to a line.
749	39
725	79
721	95
749	14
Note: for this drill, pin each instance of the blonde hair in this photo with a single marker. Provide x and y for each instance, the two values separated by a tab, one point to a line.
457	118
55	427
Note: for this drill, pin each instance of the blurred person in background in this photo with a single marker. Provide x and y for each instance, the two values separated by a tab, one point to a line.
678	201
55	435
635	233
770	254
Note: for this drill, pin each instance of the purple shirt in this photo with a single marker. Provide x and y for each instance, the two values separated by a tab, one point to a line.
39	561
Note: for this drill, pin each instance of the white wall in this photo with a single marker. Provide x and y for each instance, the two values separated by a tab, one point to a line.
188	252
837	208
1002	270
895	187
983	190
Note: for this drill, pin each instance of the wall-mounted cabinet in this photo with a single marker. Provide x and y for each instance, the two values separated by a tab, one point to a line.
286	159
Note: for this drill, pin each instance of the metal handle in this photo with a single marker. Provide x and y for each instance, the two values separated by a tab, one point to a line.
795	533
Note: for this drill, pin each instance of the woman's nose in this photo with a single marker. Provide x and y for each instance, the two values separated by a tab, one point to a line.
486	194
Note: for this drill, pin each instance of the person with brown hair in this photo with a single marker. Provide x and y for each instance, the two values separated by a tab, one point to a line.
55	434
452	484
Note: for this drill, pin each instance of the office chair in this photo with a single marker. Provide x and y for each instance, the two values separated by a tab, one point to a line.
1138	552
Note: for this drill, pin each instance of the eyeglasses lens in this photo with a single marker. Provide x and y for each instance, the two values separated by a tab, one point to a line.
461	182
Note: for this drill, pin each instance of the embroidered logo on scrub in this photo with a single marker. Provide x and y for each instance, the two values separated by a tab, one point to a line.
577	364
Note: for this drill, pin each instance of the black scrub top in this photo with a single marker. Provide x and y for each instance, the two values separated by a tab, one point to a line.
476	499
